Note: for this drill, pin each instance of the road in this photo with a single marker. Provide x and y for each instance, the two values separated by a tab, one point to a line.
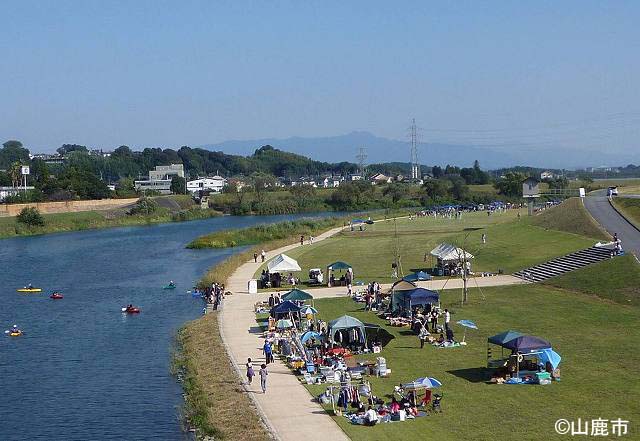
599	207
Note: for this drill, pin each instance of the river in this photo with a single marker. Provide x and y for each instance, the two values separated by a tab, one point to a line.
83	370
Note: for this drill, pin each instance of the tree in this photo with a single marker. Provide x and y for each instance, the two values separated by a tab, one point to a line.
15	172
436	189
178	185
395	191
11	152
31	217
437	171
459	190
144	206
510	184
68	148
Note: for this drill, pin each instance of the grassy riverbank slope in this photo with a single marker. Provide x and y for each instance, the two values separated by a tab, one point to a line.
170	209
215	402
630	208
570	217
265	233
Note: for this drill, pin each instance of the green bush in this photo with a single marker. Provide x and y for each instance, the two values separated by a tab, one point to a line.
31	217
144	206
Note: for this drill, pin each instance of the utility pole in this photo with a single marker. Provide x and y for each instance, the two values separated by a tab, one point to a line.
413	139
361	157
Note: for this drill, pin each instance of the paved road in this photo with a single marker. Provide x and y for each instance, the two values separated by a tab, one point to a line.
605	215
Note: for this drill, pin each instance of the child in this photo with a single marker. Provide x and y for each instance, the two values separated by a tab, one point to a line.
250	372
263	378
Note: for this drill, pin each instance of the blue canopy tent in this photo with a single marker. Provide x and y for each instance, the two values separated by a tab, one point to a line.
500	340
284	309
417	276
405	300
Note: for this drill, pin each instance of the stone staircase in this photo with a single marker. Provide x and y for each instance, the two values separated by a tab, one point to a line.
565	264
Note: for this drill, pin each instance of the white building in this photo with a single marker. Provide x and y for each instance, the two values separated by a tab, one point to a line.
6	192
214	184
546	175
160	178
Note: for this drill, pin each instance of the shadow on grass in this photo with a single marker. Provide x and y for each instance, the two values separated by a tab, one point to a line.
473	375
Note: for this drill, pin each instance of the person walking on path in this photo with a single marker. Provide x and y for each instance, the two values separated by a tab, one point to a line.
447	319
302	240
263	378
255	257
268	352
263	255
250	372
484	238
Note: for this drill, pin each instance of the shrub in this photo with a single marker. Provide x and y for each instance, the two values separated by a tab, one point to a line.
31	217
144	206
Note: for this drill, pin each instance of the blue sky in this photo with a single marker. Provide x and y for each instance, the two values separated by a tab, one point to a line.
106	73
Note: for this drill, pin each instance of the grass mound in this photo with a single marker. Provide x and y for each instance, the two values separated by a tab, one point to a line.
215	403
571	217
264	233
630	208
616	279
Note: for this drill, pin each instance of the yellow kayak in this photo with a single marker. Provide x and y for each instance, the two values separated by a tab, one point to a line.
15	334
29	289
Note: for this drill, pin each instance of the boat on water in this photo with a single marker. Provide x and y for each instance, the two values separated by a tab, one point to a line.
15	333
56	296
131	310
29	289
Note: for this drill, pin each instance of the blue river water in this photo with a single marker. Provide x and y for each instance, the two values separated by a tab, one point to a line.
83	370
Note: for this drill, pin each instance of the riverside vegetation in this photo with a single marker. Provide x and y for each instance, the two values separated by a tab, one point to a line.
146	211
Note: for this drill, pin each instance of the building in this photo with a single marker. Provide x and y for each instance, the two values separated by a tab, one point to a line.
214	184
160	178
530	188
355	177
546	175
380	178
49	159
6	192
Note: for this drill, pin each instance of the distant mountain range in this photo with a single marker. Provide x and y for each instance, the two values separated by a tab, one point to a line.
379	150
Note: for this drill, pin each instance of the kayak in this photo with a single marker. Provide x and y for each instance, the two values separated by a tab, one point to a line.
131	310
29	289
56	295
169	287
15	333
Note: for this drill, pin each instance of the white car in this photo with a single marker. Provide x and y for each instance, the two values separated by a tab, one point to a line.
612	191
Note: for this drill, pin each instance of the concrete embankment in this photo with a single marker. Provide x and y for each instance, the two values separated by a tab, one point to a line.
67	206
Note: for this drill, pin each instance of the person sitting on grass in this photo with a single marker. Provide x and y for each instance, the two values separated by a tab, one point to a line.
394	407
370	417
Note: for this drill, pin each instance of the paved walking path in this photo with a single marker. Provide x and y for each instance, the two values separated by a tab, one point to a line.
602	211
287	405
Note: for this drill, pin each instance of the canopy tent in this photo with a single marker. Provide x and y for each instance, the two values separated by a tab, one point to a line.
504	337
526	343
446	252
338	266
282	264
551	356
415	297
284	309
346	323
297	295
402	285
417	276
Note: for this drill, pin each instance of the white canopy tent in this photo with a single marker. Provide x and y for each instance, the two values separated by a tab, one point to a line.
446	252
282	263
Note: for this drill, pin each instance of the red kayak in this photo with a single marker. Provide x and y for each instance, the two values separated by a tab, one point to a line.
56	295
132	310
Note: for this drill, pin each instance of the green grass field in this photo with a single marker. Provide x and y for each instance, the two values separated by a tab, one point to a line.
511	244
597	340
617	280
630	207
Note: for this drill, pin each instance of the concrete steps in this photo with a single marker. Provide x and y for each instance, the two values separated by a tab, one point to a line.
565	264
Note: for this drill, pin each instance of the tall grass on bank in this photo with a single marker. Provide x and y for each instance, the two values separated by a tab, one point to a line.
630	208
571	217
215	402
264	233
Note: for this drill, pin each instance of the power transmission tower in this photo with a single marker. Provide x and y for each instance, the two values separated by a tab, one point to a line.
361	157
413	138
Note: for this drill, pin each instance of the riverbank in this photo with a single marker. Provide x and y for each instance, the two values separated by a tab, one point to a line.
90	220
215	402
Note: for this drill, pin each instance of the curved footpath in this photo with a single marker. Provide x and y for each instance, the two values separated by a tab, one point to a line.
611	220
287	407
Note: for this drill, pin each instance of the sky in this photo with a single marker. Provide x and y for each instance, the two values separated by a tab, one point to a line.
165	74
